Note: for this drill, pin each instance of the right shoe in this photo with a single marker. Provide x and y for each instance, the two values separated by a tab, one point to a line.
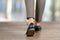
30	30
37	28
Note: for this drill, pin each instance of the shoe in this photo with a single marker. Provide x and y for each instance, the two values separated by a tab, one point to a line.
38	28
30	30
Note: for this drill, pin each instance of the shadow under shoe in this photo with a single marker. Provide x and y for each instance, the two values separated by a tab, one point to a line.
30	30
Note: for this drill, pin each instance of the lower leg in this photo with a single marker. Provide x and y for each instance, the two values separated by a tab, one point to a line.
40	4
30	17
30	10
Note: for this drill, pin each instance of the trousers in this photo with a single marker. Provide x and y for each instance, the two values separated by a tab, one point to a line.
40	5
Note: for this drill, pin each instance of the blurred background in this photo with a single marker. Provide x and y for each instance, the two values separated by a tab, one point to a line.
52	11
15	10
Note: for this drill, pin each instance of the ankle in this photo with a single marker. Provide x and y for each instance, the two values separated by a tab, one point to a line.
30	20
37	23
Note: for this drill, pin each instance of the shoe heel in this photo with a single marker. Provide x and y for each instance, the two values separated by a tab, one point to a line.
30	33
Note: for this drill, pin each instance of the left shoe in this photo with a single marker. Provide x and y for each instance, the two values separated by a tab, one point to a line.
30	30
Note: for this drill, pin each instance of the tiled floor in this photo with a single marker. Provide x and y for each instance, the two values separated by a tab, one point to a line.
50	31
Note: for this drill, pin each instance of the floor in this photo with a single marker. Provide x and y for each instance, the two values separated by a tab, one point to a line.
50	31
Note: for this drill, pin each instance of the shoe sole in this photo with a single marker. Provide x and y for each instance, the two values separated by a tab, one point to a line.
30	32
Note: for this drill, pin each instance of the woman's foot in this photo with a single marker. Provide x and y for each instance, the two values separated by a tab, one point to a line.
37	26
31	29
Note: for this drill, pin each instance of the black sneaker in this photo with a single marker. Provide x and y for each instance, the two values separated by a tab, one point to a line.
38	28
30	30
